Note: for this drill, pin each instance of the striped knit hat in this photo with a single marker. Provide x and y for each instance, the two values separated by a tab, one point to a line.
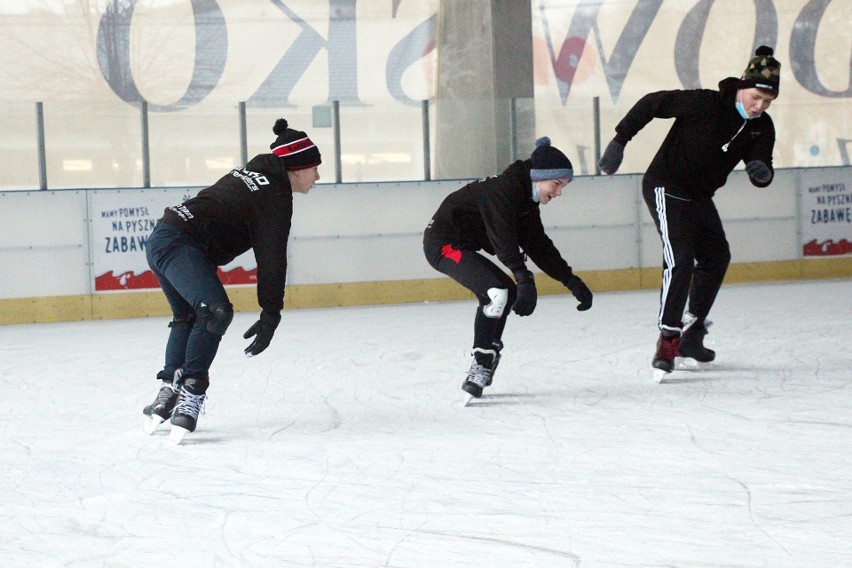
294	147
548	162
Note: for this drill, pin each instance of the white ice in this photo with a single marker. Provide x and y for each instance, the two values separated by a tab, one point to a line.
346	443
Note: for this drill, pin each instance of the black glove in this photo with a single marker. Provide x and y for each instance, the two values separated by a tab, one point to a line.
611	158
262	331
527	294
758	171
580	291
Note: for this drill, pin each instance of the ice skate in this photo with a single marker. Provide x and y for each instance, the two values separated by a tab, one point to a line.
480	374
161	409
190	403
692	341
498	346
689	364
664	358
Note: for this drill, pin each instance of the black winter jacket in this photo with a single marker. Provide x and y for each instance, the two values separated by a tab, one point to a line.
706	142
249	208
498	215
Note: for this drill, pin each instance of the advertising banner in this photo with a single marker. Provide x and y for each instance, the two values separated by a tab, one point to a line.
121	222
183	58
826	213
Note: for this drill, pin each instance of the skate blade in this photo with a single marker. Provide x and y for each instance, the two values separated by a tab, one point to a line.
468	398
689	364
177	434
152	423
659	375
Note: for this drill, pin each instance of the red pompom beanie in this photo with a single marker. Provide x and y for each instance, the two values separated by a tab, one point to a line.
294	147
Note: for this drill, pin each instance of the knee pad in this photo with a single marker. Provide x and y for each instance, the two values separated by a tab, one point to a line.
499	298
221	314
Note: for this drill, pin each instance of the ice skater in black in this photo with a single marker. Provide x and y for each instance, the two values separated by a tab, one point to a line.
249	208
500	215
713	132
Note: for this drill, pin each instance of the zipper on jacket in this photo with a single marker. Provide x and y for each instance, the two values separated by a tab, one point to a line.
728	143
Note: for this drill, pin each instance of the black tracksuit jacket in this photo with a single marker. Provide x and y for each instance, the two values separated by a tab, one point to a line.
249	208
706	142
497	215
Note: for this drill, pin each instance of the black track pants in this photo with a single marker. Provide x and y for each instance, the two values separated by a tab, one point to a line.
696	254
478	274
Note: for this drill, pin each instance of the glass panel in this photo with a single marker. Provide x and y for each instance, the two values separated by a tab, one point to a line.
378	142
18	146
381	142
194	146
570	128
259	123
812	134
91	145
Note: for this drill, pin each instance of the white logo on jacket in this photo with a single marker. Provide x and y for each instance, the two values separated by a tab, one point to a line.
250	178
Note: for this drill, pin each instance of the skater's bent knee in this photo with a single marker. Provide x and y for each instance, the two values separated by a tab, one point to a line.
498	297
182	321
221	314
719	262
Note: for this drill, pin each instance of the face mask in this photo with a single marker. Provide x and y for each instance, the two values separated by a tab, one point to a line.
535	196
741	109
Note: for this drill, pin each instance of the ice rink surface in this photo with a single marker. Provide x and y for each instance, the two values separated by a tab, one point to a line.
346	443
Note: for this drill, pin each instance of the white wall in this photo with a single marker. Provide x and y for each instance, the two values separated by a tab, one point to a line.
44	244
372	232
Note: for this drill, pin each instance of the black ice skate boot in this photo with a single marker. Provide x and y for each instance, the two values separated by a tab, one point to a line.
481	371
692	340
498	346
161	409
190	403
667	350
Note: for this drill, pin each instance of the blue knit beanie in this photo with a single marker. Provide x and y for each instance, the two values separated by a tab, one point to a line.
549	163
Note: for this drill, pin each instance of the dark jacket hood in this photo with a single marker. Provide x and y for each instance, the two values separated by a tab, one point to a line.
268	164
519	168
728	89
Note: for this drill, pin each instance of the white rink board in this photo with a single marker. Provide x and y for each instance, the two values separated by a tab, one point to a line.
373	232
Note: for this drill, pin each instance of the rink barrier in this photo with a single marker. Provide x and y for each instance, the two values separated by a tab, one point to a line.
361	244
153	304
